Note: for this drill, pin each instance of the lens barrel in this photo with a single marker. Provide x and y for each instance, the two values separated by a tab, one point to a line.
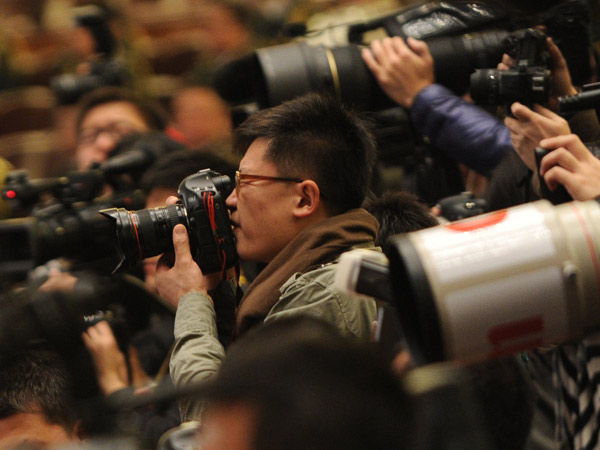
485	86
500	283
283	72
144	233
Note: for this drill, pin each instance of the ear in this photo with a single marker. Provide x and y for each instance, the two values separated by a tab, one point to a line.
308	200
79	432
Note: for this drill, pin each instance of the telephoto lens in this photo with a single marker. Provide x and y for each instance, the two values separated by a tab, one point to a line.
499	283
146	232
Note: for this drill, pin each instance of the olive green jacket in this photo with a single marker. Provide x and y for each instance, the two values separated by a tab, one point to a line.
198	354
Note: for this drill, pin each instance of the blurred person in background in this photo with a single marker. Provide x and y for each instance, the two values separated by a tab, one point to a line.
335	391
37	408
108	114
203	119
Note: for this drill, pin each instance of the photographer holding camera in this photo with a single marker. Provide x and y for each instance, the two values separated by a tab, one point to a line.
105	116
304	174
530	124
468	133
515	180
404	71
108	114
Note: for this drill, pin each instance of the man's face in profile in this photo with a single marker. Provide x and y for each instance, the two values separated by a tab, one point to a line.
262	217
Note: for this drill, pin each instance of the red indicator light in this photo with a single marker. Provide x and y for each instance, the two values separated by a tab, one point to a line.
10	194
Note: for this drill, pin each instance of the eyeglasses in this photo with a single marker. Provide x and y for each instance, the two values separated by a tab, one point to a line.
239	177
115	130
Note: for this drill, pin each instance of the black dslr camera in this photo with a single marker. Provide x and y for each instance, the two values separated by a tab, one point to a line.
201	208
527	82
67	224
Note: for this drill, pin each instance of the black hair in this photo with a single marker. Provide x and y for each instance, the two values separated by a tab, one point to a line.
153	114
169	170
36	381
316	137
313	388
398	212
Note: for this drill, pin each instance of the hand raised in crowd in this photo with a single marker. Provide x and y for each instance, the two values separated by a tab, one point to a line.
181	275
109	362
571	164
403	69
59	281
528	127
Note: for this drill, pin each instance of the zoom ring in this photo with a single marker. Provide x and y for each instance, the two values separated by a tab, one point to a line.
173	215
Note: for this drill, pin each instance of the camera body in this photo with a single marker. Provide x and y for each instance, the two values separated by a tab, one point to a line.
461	206
201	208
527	82
202	197
69	88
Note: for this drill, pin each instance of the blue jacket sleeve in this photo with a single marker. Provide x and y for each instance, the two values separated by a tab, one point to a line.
462	130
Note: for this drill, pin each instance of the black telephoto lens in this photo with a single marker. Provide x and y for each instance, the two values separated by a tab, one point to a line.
145	233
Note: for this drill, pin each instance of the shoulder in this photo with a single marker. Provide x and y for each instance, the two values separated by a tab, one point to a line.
310	287
314	293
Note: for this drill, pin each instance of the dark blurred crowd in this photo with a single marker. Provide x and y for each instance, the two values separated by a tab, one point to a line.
166	48
122	339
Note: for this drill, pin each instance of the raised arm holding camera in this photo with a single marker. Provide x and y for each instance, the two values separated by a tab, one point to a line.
530	125
405	71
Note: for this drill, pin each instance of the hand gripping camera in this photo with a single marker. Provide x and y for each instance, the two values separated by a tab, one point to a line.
527	82
201	208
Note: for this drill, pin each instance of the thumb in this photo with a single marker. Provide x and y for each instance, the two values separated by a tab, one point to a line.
181	244
522	112
419	47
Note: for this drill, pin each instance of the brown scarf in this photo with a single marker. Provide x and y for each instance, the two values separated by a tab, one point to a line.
316	245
